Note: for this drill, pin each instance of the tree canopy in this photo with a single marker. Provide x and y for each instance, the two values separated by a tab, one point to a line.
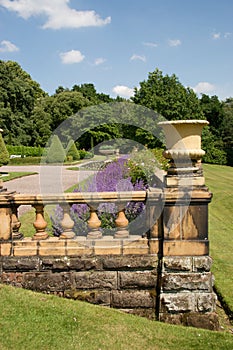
29	116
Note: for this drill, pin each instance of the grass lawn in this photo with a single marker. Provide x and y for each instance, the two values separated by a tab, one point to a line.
16	175
42	322
219	180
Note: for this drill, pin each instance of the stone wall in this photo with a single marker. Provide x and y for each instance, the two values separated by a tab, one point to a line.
128	283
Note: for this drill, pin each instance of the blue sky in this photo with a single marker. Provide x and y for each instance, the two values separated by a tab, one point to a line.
115	44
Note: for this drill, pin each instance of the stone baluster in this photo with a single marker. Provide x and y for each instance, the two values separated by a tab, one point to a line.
121	223
67	224
94	224
40	224
16	224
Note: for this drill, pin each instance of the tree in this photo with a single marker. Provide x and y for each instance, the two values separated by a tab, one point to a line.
167	96
4	155
18	93
56	152
213	112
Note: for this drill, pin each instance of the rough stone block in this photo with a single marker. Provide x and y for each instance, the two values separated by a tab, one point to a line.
95	280
133	299
13	278
83	263
177	264
137	279
21	264
130	262
177	302
55	264
198	320
148	313
206	302
93	296
47	281
187	282
202	263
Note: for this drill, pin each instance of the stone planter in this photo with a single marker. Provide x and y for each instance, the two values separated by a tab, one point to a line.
183	148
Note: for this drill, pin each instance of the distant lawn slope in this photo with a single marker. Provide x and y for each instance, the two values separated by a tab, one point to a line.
219	179
42	322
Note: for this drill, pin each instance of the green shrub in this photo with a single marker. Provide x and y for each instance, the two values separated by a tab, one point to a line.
25	151
25	161
71	151
4	154
56	152
85	154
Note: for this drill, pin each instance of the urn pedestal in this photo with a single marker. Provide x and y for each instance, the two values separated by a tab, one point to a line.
183	148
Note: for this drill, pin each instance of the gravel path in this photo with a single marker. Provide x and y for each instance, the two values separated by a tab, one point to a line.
50	179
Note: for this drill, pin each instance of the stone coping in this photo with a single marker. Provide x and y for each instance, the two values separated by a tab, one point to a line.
53	246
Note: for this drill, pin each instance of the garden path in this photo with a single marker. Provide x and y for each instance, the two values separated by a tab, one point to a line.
49	179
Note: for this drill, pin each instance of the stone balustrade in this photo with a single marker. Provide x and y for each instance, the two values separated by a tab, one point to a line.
162	272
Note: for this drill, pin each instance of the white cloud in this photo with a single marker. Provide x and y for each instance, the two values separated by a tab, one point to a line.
174	42
216	36
7	46
73	56
204	87
123	91
99	61
150	44
227	34
59	14
138	57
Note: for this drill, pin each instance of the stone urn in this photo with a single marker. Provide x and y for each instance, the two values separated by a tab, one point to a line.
183	148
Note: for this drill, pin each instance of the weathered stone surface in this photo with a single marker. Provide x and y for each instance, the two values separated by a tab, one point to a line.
146	262
177	263
137	279
20	264
171	318
202	263
133	299
13	278
65	263
177	302
187	282
206	302
85	263
148	313
95	279
206	321
57	264
47	281
192	319
93	296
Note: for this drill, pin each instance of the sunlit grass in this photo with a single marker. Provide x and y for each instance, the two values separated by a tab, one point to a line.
36	321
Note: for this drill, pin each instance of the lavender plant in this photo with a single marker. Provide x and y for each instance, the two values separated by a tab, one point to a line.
114	177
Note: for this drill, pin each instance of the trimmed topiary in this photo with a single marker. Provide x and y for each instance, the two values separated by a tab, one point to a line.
71	151
56	152
4	155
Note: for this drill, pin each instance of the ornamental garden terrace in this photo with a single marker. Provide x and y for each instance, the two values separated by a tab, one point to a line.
158	267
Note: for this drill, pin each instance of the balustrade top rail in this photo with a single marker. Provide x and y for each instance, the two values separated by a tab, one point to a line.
76	197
